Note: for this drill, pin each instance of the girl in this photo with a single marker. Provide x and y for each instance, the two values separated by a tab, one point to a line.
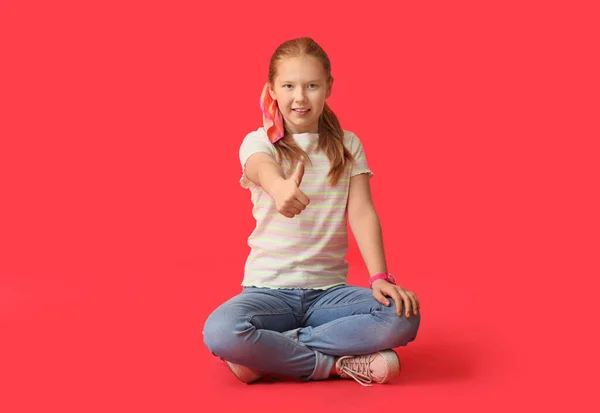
296	316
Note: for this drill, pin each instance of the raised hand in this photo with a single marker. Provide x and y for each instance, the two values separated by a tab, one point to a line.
289	199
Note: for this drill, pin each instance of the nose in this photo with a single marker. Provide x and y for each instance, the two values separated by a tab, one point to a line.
299	94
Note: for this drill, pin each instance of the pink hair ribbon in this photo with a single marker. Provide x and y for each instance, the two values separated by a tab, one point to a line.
272	119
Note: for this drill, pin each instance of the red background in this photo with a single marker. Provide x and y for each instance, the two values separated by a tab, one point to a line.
123	224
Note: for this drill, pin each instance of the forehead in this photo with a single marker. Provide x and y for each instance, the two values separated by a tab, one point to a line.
300	69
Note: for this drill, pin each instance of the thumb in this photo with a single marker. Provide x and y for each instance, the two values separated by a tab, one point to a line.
298	173
381	298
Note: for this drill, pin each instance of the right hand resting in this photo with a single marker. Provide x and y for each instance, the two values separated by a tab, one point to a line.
289	199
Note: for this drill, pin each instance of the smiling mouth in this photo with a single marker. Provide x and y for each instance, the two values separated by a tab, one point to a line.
301	110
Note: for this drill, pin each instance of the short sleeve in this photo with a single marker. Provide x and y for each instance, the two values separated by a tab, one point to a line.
254	142
360	165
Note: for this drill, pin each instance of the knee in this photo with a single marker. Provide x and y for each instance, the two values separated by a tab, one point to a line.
406	329
219	334
401	330
211	333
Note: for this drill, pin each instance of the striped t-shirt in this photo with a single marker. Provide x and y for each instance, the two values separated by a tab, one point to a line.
309	250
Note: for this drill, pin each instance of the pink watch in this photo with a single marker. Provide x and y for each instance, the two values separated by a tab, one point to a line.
382	276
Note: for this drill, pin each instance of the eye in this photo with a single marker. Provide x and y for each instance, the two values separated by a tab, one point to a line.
287	86
313	86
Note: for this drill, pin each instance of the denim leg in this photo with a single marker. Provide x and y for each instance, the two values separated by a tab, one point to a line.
347	320
247	330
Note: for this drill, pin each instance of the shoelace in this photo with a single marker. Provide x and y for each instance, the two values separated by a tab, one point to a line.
357	368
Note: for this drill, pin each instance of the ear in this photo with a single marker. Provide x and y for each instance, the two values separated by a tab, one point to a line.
329	87
272	92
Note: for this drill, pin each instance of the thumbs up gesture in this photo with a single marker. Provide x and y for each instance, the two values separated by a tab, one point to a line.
289	199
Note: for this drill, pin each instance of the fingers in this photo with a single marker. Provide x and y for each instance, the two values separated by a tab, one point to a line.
295	206
398	300
414	301
298	205
287	214
290	200
381	298
294	210
407	301
301	196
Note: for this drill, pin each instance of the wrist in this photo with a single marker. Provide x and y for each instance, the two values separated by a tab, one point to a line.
273	184
382	276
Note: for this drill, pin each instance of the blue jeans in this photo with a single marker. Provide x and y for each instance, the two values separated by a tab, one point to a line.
299	332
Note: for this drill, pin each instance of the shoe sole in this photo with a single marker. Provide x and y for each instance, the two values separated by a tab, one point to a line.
393	362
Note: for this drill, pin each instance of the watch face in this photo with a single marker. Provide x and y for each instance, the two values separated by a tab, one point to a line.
391	277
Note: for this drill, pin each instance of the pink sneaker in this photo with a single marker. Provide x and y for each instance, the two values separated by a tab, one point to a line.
245	374
380	367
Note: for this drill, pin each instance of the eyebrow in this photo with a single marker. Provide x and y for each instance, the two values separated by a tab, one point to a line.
310	81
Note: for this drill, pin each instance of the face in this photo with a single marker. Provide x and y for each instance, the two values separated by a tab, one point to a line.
300	88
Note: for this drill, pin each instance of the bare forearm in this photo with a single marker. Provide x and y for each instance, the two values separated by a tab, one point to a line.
269	174
264	172
366	229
